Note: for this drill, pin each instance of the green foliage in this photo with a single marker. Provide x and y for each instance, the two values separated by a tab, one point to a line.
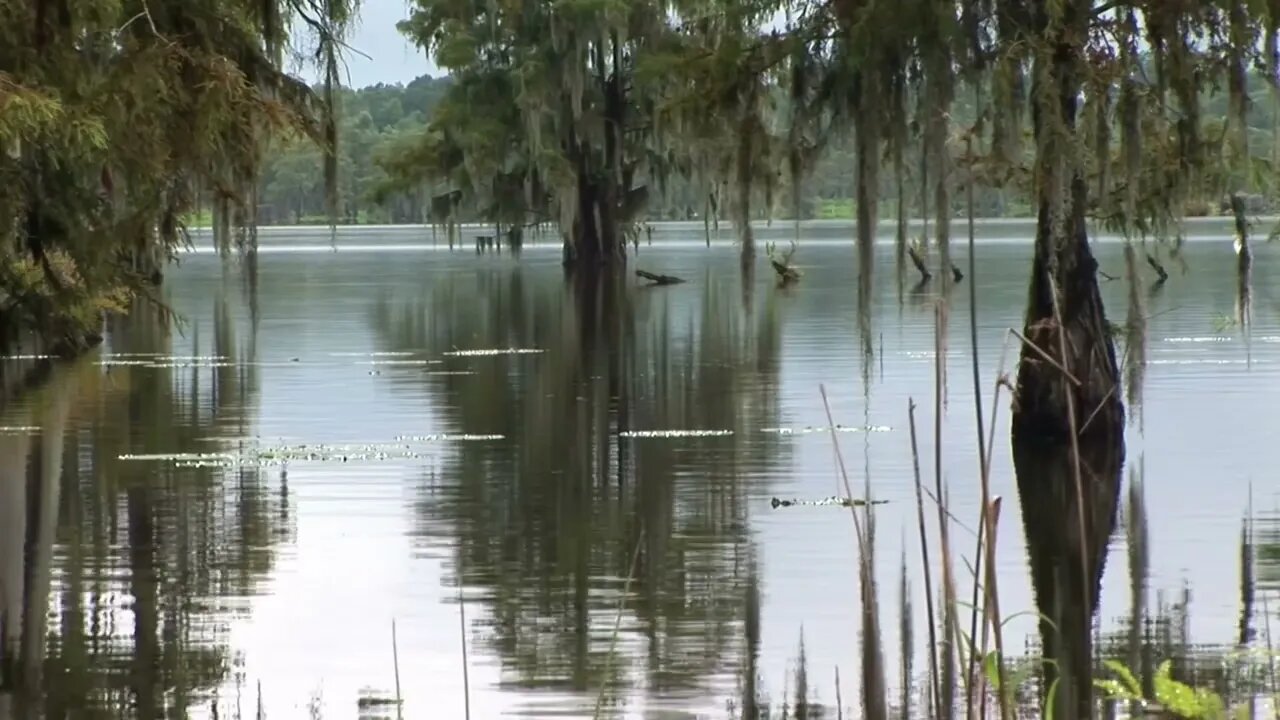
1177	698
116	116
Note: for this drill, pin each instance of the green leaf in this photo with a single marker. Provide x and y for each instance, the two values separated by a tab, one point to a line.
1122	671
1183	700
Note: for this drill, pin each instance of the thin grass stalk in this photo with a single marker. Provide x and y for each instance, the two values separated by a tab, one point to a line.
906	635
1247	584
1046	357
977	406
395	662
934	682
839	700
1274	686
874	701
617	625
1136	531
951	629
1073	425
802	682
988	547
462	629
993	611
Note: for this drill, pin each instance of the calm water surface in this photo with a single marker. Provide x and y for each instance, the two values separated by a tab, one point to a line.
185	584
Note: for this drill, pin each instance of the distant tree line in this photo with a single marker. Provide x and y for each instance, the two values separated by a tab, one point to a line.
381	120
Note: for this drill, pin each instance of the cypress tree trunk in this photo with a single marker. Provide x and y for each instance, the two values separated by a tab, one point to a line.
595	239
1068	480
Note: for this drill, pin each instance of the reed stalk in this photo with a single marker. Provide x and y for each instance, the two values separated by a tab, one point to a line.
935	697
951	630
395	660
462	631
874	705
617	626
977	406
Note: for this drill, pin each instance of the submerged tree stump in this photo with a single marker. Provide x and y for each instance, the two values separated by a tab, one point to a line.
1067	411
1067	591
1068	415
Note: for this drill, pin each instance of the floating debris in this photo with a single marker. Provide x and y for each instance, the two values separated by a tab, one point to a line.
448	436
826	428
210	364
840	501
450	372
673	433
19	429
26	357
220	464
178	457
1211	361
1197	339
400	361
164	356
388	353
494	351
283	455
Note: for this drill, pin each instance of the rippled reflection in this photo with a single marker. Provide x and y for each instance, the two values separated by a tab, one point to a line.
155	577
140	565
547	526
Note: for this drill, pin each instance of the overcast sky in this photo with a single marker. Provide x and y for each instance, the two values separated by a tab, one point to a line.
391	59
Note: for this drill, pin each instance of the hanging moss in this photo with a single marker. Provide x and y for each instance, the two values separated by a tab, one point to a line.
140	107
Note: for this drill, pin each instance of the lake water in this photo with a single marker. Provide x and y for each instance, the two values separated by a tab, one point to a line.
524	489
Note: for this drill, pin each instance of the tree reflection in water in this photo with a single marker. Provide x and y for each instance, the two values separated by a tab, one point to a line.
544	525
139	563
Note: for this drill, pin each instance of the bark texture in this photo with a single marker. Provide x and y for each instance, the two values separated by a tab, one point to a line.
1068	427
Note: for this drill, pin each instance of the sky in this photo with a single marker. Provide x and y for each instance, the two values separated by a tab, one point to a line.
391	59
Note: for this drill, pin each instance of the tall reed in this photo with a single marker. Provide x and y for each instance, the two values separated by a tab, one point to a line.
874	700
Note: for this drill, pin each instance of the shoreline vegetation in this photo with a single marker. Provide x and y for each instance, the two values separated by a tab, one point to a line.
1224	224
